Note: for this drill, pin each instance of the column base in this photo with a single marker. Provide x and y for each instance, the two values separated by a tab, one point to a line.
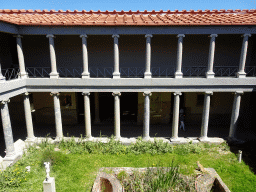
2	78
175	139
234	140
116	75
146	138
119	138
54	75
147	75
30	141
241	75
85	75
89	138
58	139
210	75
178	75
203	139
8	161
23	75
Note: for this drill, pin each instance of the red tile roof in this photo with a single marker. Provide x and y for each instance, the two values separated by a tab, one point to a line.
124	18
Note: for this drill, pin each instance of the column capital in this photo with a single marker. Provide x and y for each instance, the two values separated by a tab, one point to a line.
246	34
86	93
3	102
50	35
239	93
19	36
115	35
54	93
116	94
180	35
84	35
213	35
208	93
26	93
177	93
148	35
147	93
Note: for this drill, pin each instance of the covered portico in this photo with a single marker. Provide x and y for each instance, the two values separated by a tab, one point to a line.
177	83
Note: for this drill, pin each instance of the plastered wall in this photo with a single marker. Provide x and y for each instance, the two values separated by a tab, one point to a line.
160	105
131	50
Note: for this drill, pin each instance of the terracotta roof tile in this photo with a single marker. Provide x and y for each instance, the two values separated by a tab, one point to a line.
140	18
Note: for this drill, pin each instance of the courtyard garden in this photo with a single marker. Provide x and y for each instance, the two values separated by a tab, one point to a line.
75	165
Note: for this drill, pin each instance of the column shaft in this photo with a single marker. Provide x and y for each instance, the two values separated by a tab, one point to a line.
175	121
28	117
241	73
178	73
85	73
117	114
2	78
210	73
23	72
57	111
205	118
87	114
97	109
116	73
54	73
235	114
8	137
147	73
146	123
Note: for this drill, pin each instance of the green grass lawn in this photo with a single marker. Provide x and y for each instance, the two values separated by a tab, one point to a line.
75	166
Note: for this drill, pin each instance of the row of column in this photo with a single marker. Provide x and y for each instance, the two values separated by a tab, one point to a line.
116	74
59	133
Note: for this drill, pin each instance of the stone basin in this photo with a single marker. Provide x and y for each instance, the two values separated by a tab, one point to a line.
204	183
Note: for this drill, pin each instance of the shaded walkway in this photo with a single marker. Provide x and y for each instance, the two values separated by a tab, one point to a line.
127	130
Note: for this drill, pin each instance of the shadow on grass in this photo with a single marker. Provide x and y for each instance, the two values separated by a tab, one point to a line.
248	153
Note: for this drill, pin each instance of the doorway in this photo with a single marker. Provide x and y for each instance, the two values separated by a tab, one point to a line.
129	107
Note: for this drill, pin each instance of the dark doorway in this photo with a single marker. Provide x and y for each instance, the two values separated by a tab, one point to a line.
106	107
80	107
129	107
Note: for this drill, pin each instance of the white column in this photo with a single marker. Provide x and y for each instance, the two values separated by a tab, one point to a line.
85	73
28	117
210	73
147	73
23	73
175	121
97	109
146	123
235	114
241	73
117	114
54	74
116	73
205	118
2	78
8	137
57	110
87	115
178	73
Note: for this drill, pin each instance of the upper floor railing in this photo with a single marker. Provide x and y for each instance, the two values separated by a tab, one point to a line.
128	72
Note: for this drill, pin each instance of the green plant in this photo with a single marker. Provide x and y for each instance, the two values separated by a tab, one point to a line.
122	175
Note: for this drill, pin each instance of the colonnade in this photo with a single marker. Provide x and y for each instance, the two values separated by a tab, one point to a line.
146	125
147	74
